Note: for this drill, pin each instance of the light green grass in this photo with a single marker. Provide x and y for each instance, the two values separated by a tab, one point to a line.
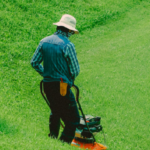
114	82
115	79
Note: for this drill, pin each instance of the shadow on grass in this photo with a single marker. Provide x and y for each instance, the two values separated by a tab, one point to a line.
7	128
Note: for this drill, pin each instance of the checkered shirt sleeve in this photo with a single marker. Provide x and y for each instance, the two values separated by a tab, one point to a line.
37	59
71	57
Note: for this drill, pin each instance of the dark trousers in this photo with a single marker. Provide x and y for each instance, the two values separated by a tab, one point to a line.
62	107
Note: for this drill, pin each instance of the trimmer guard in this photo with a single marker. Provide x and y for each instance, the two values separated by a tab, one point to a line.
91	146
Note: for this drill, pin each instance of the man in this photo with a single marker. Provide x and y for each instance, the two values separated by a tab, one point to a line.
60	65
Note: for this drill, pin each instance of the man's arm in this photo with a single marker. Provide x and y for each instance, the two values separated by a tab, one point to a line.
37	59
71	56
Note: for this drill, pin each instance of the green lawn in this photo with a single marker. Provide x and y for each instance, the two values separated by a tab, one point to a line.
114	55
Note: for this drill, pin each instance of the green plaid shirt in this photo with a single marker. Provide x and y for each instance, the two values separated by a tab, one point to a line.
69	53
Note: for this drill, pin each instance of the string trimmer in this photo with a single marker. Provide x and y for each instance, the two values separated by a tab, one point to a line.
89	126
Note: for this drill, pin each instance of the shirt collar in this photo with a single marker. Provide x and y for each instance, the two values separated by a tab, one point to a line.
64	34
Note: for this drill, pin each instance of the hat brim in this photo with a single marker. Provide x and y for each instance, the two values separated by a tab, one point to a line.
66	26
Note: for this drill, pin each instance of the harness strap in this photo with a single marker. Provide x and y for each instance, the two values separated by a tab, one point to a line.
41	89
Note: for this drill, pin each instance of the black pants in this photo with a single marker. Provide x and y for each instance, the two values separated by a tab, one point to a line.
62	107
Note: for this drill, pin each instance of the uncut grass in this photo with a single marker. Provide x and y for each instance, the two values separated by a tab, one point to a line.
30	20
113	83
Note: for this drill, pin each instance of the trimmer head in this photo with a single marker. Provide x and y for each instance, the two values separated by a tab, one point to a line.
82	132
84	137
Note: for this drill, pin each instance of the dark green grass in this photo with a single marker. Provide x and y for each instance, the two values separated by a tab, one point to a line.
31	20
114	80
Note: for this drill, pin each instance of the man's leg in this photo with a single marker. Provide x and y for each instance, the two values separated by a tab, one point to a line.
54	125
51	90
71	118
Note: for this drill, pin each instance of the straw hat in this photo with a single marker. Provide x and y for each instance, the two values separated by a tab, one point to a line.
68	22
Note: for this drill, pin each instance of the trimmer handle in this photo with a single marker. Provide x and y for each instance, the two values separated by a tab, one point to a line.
77	99
77	92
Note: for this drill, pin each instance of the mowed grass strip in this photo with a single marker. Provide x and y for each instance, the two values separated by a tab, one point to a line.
114	84
115	79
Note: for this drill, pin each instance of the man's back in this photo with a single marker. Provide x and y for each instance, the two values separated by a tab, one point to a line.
55	64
